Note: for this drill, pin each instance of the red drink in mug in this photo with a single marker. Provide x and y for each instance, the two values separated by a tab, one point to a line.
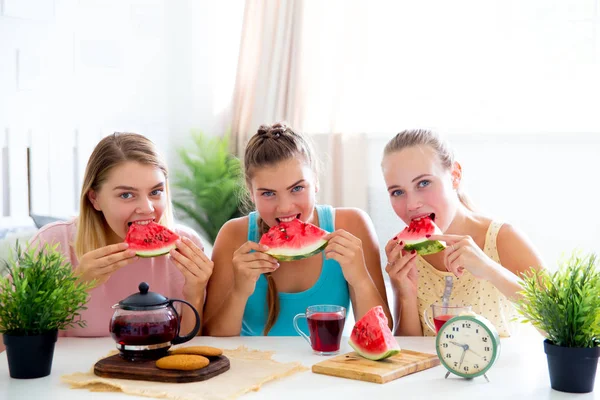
325	327
441	314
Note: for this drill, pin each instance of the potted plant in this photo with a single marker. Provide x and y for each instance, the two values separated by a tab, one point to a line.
566	306
210	187
38	296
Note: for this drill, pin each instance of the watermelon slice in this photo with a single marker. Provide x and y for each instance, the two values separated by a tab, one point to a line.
150	240
414	236
371	336
294	240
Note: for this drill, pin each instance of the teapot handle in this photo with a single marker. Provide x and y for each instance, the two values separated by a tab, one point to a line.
194	332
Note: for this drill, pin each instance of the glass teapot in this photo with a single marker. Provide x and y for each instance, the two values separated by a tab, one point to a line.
146	324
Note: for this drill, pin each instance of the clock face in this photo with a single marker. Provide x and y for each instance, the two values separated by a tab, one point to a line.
468	345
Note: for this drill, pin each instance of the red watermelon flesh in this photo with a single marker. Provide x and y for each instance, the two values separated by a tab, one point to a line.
294	240
150	240
371	336
414	236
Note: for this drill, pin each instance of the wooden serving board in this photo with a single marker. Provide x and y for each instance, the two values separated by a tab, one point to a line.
146	370
353	366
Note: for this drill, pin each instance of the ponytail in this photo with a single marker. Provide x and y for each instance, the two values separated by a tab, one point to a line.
465	200
273	306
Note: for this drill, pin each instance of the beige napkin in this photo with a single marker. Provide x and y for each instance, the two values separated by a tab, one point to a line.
248	371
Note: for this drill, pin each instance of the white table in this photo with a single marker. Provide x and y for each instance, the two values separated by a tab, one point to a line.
520	373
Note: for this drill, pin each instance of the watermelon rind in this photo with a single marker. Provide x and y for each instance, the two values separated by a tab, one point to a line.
155	252
414	237
373	356
283	254
425	247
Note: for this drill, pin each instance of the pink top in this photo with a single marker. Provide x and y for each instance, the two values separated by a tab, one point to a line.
159	272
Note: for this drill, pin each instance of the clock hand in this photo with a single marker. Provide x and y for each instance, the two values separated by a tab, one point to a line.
474	352
462	358
464	346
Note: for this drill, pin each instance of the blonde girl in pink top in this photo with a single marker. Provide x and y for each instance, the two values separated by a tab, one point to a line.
127	182
484	258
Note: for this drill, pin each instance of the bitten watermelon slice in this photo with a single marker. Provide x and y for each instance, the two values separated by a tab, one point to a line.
371	336
414	236
294	240
150	240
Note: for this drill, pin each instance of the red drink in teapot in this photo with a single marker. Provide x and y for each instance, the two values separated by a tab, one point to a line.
145	325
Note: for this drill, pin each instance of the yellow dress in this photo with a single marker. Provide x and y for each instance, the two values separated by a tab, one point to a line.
437	287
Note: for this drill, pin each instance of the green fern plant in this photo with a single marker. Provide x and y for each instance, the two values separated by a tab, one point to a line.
210	186
564	304
40	292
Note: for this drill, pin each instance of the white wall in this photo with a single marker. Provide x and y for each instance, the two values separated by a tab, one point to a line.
204	40
73	71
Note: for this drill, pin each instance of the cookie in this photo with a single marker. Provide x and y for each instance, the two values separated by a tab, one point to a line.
206	351
183	362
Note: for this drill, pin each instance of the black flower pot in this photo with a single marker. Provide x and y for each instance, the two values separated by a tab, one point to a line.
30	356
572	369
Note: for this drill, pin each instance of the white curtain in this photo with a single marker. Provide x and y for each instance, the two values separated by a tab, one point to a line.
268	83
298	73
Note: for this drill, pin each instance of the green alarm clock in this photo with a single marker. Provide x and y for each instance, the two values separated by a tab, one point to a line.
468	346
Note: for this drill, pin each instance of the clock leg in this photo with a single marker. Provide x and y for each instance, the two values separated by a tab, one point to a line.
486	378
447	375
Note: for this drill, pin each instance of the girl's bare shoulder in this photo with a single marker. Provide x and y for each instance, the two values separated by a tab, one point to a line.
234	228
350	218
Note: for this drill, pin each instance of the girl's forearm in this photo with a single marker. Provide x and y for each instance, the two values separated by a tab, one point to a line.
366	297
408	320
227	321
505	281
188	319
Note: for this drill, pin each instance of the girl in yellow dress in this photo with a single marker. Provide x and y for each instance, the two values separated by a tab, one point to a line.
483	259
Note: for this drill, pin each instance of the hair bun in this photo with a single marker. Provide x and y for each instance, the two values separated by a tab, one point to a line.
263	130
272	131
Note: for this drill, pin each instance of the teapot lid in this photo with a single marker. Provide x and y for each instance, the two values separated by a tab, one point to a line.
144	299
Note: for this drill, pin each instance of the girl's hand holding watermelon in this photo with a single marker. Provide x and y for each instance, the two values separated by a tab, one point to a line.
347	250
402	269
101	263
195	266
462	253
249	263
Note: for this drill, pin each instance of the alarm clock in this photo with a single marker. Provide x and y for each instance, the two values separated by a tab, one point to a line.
468	346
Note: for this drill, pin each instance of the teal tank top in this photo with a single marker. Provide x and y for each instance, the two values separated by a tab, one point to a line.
330	288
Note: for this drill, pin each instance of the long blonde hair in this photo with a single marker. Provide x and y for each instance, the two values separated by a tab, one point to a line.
424	137
92	228
269	146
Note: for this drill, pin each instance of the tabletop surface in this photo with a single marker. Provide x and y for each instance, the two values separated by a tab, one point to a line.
521	372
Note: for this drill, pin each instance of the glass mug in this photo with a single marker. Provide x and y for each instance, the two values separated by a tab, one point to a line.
441	314
325	326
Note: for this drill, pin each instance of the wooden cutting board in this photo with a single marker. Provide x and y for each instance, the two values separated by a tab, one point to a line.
146	370
353	366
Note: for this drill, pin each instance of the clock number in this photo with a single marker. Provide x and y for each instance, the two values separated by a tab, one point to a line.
455	329
476	366
484	358
467	325
455	364
466	369
486	348
476	330
449	336
444	345
484	339
448	355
